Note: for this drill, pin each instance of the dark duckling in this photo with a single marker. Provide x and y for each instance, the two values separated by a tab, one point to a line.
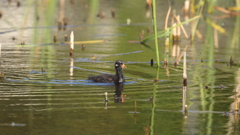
107	78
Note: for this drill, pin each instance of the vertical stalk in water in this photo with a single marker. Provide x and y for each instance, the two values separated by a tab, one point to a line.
184	105
154	104
155	29
195	24
71	43
0	52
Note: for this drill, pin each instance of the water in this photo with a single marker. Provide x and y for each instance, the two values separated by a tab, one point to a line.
45	91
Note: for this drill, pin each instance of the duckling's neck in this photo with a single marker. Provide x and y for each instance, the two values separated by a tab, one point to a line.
119	75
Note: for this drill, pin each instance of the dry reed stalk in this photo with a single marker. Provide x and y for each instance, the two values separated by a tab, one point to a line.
148	30
186	110
183	29
61	16
0	51
236	102
215	37
176	33
199	34
184	50
66	38
83	47
71	44
55	38
106	100
178	29
165	62
59	25
135	106
167	45
174	13
186	7
106	96
168	13
176	49
184	70
71	67
226	11
192	8
184	105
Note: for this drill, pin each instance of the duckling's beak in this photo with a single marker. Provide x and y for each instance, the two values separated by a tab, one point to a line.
123	66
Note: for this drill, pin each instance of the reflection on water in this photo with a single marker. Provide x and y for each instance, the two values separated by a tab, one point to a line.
44	91
118	97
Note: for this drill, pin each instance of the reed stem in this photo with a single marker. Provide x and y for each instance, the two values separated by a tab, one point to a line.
71	44
0	52
154	104
155	29
184	66
199	13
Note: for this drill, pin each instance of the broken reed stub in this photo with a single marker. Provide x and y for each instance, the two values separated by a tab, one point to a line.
106	96
185	65
83	47
176	33
186	7
165	62
66	38
175	64
71	44
65	22
185	108
59	25
113	13
18	3
148	30
55	38
185	70
231	61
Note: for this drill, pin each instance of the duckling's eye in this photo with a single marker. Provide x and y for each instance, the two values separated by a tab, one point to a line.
121	63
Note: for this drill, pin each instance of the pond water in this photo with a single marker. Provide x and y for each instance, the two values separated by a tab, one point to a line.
45	91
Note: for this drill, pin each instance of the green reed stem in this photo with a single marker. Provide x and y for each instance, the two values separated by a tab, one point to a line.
154	18
153	110
194	28
154	105
155	29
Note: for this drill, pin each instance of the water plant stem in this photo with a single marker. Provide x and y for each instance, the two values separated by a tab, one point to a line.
155	30
199	13
154	105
